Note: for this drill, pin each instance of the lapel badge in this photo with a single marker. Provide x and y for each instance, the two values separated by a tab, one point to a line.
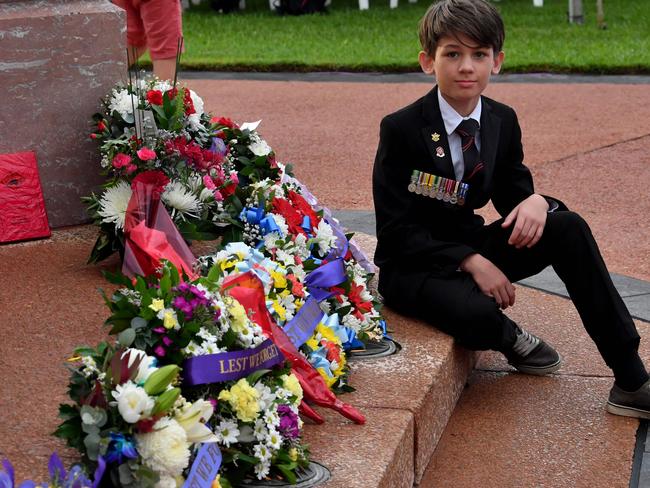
435	137
440	152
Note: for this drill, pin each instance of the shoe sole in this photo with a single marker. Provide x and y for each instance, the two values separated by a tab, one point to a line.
540	370
626	411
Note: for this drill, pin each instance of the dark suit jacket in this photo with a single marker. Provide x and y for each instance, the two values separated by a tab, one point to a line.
418	235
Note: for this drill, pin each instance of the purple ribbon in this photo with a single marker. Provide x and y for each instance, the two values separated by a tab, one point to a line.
227	366
300	328
205	467
325	276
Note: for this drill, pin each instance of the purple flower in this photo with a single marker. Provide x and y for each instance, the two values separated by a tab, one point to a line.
218	146
288	422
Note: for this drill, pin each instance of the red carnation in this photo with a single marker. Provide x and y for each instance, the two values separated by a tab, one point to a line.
101	125
155	97
121	160
290	214
224	121
304	208
155	178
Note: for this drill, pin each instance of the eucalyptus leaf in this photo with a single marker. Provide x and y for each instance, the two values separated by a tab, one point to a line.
126	477
126	337
91	441
138	323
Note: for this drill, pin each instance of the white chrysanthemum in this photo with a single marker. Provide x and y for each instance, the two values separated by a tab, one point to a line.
260	431
325	238
113	204
133	403
181	199
271	418
352	322
123	103
273	439
227	432
194	121
262	469
261	452
165	450
266	395
166	482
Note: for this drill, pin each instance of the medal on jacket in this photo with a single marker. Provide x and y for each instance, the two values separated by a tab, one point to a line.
438	187
414	179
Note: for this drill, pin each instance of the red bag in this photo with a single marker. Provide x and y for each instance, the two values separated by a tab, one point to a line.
22	209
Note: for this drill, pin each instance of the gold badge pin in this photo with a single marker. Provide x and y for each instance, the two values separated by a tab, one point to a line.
435	137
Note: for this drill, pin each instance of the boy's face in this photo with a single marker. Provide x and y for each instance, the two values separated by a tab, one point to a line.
462	70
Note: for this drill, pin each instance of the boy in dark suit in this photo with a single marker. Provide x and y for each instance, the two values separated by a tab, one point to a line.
449	153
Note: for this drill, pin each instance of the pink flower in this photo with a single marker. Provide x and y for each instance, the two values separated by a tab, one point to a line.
218	196
146	154
234	177
209	184
120	160
130	168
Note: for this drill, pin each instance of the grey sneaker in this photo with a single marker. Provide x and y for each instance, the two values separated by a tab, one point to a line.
531	355
630	403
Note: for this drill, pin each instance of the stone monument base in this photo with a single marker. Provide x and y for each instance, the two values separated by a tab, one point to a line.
57	58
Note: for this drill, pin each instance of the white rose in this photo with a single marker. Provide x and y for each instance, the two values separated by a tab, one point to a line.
133	402
259	148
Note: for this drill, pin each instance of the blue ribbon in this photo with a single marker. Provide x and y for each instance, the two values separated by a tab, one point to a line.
306	224
257	216
318	359
347	335
325	276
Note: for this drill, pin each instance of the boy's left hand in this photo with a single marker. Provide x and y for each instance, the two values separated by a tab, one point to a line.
529	218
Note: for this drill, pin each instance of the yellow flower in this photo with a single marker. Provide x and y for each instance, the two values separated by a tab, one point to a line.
238	313
330	380
216	483
327	334
293	454
157	305
225	265
285	293
169	319
242	398
279	281
280	310
291	383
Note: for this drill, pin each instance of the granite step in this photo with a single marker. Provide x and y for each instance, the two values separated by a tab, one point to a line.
408	399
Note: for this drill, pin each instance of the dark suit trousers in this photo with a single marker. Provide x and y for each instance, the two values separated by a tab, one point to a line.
457	306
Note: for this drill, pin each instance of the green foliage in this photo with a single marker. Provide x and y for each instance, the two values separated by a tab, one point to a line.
384	39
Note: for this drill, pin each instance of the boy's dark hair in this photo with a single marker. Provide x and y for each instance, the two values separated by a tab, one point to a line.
476	19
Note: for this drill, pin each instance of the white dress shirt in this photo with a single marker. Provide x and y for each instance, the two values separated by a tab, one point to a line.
451	118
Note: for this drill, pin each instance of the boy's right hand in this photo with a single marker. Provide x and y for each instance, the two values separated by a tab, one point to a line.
490	279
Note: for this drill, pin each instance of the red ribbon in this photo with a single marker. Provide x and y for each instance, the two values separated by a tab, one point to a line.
151	235
248	290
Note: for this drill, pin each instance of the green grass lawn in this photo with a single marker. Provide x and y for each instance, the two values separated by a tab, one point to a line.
384	39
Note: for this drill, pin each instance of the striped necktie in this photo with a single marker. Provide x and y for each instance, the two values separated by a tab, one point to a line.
467	130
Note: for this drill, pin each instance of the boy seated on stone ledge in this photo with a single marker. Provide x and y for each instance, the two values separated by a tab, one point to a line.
451	152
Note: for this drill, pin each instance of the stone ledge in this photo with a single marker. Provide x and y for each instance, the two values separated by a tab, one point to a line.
425	379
